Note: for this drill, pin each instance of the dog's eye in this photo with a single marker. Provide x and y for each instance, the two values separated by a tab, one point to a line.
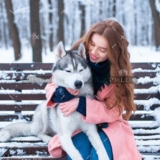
67	70
81	70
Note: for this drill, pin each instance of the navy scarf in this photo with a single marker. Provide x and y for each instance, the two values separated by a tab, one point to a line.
100	74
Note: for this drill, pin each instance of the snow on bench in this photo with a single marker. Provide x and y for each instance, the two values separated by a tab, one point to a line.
22	89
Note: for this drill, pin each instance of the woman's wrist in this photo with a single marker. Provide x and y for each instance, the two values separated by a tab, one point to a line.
81	108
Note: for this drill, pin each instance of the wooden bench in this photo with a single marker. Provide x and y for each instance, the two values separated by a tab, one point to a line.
22	89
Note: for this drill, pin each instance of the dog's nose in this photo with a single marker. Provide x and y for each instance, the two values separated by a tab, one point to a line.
78	84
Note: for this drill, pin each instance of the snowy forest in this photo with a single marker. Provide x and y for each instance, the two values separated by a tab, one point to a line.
41	24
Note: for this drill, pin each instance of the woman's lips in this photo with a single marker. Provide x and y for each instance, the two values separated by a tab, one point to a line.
93	58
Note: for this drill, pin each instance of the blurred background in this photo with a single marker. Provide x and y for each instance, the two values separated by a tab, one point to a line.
31	29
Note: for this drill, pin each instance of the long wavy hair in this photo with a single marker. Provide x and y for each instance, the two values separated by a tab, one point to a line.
119	59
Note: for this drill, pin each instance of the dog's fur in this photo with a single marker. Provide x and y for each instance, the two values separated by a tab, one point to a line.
72	66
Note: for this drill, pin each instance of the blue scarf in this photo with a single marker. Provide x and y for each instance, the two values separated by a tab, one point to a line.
100	74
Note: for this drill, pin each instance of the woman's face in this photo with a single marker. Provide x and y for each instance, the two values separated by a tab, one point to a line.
97	48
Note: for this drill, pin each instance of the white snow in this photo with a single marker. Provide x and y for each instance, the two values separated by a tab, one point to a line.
138	54
153	89
156	114
143	54
147	103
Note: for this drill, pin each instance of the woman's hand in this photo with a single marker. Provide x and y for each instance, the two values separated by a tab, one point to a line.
69	107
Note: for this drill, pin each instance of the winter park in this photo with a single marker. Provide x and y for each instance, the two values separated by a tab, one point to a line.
80	79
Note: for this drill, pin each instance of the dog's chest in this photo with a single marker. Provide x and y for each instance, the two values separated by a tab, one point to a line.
61	124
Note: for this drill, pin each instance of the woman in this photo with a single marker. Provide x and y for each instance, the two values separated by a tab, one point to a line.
107	52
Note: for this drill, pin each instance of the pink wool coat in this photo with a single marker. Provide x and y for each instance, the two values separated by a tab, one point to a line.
118	131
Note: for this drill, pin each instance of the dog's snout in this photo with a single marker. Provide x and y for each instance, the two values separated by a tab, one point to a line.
78	84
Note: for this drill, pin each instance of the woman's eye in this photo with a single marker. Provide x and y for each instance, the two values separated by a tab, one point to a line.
67	70
81	70
92	43
102	50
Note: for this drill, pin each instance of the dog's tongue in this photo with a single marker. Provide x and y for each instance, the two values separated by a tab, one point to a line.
73	91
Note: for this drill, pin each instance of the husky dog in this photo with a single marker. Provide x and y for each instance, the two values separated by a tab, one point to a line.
69	68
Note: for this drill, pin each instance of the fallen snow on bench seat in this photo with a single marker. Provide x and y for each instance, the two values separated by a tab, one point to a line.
143	131
153	89
147	103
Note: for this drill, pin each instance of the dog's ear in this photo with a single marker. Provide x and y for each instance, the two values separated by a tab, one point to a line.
60	50
82	51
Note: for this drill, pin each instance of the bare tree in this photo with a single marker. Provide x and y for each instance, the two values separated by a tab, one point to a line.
35	31
156	19
13	29
60	32
51	29
82	8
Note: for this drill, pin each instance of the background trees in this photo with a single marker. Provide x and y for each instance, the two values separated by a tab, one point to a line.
67	20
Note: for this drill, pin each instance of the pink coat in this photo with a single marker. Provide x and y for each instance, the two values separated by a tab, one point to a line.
118	131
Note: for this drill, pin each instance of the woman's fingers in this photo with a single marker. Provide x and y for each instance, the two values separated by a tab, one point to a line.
67	113
64	109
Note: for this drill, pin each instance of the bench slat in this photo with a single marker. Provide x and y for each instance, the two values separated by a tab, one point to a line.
22	96
41	96
29	157
18	76
32	107
18	108
22	86
145	86
144	74
42	85
145	65
10	117
26	66
37	150
142	107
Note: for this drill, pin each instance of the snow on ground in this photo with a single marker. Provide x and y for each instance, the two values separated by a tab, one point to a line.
144	54
138	54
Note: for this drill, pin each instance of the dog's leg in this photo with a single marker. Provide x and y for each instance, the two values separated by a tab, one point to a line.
69	147
96	142
44	137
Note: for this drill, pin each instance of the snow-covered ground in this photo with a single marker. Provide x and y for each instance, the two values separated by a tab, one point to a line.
138	54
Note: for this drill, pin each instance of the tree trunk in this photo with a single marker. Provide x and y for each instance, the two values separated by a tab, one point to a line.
82	8
13	29
114	8
35	31
156	19
51	29
60	33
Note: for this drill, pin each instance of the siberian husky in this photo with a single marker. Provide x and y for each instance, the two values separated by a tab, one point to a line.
69	67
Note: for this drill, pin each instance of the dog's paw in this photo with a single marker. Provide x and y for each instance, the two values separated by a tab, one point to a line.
4	135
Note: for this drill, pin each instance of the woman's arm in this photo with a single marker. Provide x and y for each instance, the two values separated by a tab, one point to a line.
97	112
94	111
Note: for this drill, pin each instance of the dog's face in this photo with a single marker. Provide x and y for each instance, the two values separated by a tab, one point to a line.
70	68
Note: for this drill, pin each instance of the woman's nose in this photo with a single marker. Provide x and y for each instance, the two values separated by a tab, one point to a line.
94	51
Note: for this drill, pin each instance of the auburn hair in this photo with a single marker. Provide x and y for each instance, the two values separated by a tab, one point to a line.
118	56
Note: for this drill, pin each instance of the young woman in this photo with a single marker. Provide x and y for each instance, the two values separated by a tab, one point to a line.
106	47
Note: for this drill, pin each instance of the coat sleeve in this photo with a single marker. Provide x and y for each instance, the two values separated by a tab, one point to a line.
97	112
50	89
